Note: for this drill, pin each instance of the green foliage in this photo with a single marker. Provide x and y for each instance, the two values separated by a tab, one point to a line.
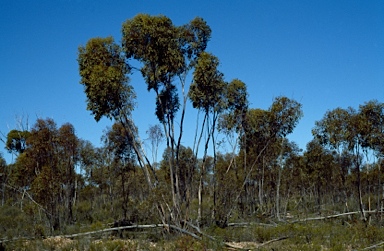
236	107
45	170
208	87
15	223
114	245
267	126
167	104
372	129
84	212
17	141
103	74
164	50
331	130
153	40
285	115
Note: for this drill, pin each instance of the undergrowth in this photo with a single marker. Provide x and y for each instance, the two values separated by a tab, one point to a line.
315	235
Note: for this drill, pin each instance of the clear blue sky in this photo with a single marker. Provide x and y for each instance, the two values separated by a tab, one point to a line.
324	54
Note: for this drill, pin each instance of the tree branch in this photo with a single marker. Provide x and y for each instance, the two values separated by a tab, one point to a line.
334	216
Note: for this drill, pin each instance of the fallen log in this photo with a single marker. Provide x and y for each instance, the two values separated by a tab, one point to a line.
241	224
131	227
152	226
333	216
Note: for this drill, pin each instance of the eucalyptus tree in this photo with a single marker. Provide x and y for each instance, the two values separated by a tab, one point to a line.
318	167
103	72
372	131
291	157
68	151
207	93
272	127
188	172
232	121
330	131
343	129
256	153
166	53
46	170
101	190
355	143
16	144
372	114
118	145
285	115
263	141
237	104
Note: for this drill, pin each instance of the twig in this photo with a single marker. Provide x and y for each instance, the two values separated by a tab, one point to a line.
24	191
374	246
273	240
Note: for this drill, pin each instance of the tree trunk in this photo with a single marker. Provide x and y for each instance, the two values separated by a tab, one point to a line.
280	166
200	199
378	187
278	194
360	194
359	182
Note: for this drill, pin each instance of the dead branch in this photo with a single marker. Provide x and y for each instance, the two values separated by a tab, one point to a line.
252	245
334	216
152	226
132	227
197	229
241	224
273	240
374	246
24	192
226	244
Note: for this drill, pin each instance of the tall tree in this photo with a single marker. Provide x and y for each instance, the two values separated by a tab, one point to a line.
372	114
318	164
342	129
123	159
356	145
167	53
103	73
207	93
286	114
330	131
372	130
265	145
68	151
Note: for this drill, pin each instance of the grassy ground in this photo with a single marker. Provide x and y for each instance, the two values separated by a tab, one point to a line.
316	235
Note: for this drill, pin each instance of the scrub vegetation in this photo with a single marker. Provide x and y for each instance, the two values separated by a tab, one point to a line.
63	193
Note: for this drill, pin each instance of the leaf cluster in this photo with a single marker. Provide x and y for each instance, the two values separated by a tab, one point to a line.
103	73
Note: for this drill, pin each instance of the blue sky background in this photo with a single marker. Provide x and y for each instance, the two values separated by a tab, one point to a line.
324	54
